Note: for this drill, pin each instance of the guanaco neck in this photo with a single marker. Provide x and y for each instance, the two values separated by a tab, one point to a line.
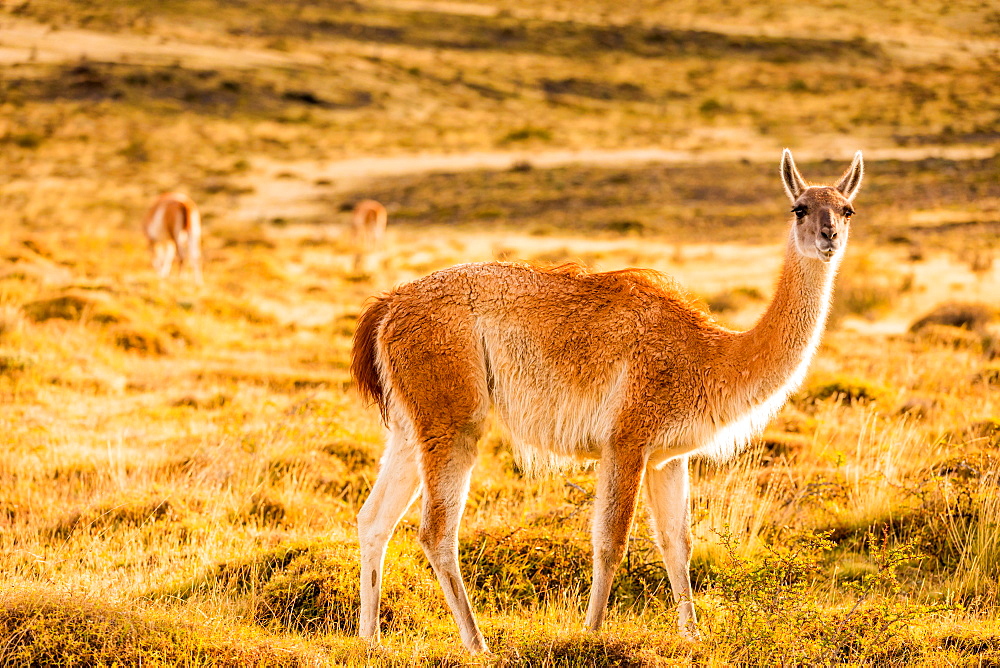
772	356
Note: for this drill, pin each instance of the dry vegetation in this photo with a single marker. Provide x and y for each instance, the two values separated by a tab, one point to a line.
182	464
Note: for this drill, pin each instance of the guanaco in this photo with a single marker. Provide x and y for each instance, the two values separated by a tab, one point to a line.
619	367
173	225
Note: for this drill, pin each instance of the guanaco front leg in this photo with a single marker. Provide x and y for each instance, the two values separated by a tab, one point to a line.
619	479
447	466
394	491
668	499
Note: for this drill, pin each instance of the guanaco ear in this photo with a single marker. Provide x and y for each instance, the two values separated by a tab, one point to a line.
850	182
794	184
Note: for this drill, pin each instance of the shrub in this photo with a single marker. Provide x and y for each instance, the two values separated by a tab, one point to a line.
523	566
525	134
319	590
65	307
238	576
140	340
735	299
770	614
846	389
990	375
949	336
14	363
969	316
75	305
538	564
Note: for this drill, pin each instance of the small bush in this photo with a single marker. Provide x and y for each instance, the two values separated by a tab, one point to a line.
319	590
352	453
140	340
524	566
237	577
771	616
262	509
525	134
734	300
624	226
781	444
540	648
990	375
13	363
74	305
968	316
846	389
537	564
211	402
65	307
949	336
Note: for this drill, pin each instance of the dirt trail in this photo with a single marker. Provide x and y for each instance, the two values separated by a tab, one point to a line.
27	41
308	195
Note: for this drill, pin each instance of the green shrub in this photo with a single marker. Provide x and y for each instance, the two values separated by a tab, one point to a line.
771	615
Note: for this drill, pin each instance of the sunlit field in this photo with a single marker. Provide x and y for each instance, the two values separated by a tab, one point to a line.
183	463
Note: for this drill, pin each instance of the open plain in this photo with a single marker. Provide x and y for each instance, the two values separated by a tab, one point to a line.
182	464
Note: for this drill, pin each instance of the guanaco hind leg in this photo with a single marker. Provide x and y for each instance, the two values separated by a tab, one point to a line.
163	257
446	467
394	491
618	482
189	253
668	499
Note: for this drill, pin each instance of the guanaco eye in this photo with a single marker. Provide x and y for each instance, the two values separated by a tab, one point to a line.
800	211
848	213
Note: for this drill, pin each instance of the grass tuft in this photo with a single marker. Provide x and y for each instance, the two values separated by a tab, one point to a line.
46	629
319	590
969	316
843	388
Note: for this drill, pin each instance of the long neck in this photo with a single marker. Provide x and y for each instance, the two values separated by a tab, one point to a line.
774	354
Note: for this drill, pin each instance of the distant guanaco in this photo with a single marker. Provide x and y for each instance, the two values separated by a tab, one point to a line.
173	224
368	223
619	367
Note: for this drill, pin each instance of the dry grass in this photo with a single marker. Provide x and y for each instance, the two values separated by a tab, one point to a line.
183	464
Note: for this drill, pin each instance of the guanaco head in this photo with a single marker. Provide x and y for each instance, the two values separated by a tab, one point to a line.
823	213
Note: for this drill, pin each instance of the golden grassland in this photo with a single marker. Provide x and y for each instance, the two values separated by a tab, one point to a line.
183	464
